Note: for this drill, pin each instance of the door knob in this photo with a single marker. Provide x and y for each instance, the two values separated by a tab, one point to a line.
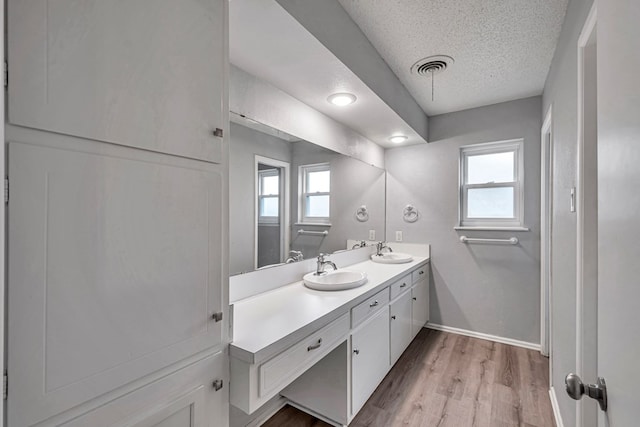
576	389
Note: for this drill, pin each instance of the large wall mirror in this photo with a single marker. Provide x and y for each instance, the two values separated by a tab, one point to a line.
291	200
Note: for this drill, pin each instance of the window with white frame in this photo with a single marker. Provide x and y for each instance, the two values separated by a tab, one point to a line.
315	193
491	184
268	196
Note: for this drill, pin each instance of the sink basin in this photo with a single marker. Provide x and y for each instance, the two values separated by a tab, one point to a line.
335	280
392	258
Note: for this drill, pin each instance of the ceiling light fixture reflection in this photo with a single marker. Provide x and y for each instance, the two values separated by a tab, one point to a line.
397	139
342	99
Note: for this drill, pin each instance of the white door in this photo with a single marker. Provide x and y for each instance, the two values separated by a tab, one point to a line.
114	272
369	358
142	73
401	325
420	309
618	230
619	209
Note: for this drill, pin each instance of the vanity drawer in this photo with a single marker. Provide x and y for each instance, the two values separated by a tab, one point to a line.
368	307
400	286
288	365
420	274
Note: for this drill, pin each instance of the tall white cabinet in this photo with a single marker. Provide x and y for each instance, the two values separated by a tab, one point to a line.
117	245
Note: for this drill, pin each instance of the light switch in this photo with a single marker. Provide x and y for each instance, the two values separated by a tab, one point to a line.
372	234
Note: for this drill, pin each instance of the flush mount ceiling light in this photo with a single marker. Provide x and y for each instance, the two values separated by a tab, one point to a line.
397	139
342	99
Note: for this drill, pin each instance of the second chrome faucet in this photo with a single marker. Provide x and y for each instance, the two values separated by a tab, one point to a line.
322	264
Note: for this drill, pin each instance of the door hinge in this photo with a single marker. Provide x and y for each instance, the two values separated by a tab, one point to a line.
5	385
218	132
6	74
217	384
6	190
217	316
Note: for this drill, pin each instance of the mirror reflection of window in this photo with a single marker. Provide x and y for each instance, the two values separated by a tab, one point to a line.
268	195
316	193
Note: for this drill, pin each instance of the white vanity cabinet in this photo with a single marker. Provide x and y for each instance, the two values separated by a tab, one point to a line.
376	326
369	357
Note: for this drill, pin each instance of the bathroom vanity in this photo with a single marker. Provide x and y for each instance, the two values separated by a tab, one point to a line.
327	351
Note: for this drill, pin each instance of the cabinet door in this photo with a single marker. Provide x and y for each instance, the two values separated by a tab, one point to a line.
185	398
142	73
420	310
369	358
401	325
115	272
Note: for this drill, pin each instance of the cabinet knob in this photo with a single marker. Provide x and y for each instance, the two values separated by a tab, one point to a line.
403	285
414	298
356	351
393	317
217	384
373	304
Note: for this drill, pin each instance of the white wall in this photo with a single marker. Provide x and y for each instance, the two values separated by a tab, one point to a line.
484	288
561	91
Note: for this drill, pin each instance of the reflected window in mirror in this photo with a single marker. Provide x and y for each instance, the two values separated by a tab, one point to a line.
315	193
268	196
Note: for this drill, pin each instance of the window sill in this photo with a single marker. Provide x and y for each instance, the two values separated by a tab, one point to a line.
315	224
470	228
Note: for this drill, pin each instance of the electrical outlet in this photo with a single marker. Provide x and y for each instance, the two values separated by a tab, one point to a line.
398	236
372	234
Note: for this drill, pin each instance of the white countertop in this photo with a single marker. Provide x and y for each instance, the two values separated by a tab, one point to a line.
267	323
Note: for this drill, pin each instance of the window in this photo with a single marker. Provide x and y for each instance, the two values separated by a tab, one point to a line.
491	184
315	189
268	196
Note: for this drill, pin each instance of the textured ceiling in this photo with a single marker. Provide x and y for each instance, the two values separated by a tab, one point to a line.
502	48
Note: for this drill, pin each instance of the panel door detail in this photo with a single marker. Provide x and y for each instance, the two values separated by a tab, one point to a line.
141	73
185	398
369	358
401	326
420	310
115	272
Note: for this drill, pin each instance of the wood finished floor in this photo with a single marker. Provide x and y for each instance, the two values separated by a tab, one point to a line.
449	380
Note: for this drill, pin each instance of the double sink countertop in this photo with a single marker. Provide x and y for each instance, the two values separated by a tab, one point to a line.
270	322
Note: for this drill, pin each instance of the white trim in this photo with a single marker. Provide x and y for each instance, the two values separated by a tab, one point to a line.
3	218
546	212
284	206
483	336
555	407
583	41
512	145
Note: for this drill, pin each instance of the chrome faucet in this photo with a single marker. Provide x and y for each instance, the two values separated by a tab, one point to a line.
322	264
381	246
360	244
294	256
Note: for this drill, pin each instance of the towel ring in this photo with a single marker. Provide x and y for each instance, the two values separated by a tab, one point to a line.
410	213
362	214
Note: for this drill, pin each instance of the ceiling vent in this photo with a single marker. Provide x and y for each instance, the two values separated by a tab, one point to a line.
431	65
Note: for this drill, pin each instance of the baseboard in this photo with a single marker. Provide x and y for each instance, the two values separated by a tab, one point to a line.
555	407
268	413
488	337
